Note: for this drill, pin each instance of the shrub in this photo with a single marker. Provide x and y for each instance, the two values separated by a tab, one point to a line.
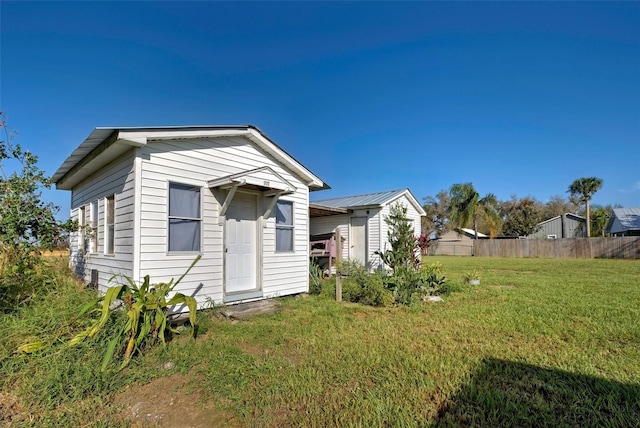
409	286
27	223
364	287
404	252
146	306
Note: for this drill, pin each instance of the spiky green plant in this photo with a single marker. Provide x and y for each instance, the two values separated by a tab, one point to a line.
146	305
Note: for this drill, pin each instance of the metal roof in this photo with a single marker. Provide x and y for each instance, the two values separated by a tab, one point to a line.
367	200
377	199
472	232
629	219
568	215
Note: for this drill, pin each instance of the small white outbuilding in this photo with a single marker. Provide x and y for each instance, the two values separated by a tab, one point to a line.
360	219
152	199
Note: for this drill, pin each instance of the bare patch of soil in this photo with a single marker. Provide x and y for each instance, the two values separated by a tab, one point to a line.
170	402
10	409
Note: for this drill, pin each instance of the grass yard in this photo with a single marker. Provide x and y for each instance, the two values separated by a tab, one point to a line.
538	343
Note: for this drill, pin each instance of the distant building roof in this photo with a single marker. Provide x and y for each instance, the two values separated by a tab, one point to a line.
628	219
569	215
377	199
472	233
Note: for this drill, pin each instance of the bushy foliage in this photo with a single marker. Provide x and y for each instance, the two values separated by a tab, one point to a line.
363	287
27	223
521	217
411	286
146	307
358	285
437	218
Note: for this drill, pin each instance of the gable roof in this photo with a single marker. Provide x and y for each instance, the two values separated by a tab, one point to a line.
105	144
370	200
628	218
568	215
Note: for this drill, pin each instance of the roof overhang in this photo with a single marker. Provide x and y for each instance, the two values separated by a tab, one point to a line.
316	210
104	145
263	179
412	200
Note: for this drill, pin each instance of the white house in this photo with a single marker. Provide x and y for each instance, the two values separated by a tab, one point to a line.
152	199
361	222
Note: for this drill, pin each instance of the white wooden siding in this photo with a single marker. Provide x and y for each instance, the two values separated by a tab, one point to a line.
377	228
195	161
116	178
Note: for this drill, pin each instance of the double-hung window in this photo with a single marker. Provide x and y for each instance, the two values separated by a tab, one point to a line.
185	217
284	226
109	226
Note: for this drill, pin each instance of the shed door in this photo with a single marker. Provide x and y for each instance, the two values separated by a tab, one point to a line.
359	239
241	244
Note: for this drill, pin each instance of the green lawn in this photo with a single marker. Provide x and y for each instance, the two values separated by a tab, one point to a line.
539	343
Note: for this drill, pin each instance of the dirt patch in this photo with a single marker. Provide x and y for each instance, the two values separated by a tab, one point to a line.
11	410
253	349
170	402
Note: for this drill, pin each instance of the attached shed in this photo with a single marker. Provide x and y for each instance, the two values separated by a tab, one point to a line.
624	222
152	199
360	219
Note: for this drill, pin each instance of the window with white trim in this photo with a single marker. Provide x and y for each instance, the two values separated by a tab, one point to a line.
284	226
93	224
109	224
185	218
82	221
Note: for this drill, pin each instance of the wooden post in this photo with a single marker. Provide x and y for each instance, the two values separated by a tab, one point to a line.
338	262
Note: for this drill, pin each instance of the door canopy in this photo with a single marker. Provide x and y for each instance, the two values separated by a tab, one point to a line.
263	179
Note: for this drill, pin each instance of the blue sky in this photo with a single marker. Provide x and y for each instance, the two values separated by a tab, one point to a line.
517	98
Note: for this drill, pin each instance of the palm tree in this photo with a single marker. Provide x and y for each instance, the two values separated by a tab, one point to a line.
584	188
466	206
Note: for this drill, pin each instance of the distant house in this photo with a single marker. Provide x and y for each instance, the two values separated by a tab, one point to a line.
360	219
563	226
458	242
624	222
151	199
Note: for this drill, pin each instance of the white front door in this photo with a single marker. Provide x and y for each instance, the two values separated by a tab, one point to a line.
241	244
359	239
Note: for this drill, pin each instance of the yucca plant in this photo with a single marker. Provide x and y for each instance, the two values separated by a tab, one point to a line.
146	305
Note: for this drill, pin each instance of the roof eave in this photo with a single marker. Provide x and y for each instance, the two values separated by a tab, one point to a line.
81	163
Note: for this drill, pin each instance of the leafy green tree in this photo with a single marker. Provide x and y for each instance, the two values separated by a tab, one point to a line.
436	221
27	223
467	206
599	218
584	189
521	217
